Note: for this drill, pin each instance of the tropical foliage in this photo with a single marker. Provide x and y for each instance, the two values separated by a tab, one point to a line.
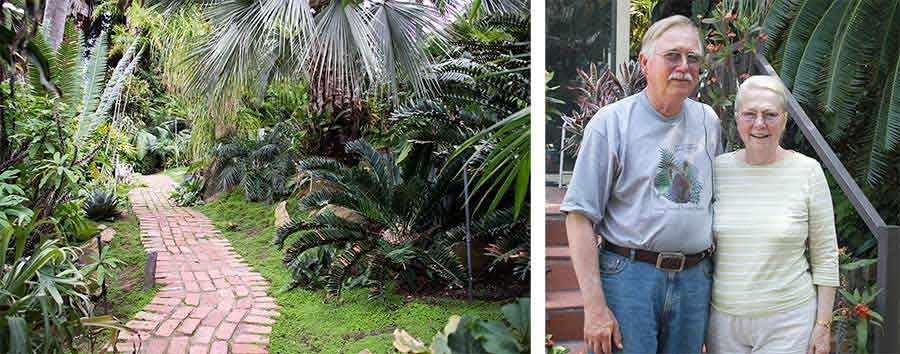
386	219
841	61
464	334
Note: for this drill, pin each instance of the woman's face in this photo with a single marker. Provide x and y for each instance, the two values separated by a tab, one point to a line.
761	119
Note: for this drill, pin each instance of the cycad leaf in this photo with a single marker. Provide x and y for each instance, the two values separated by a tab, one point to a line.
95	71
808	17
854	51
892	133
67	68
778	21
816	57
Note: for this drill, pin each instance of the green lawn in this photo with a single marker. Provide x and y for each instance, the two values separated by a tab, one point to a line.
308	324
127	294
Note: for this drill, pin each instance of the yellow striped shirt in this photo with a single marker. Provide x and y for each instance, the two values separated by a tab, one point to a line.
764	217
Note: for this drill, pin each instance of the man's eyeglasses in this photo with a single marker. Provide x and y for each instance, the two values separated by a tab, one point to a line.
675	58
767	117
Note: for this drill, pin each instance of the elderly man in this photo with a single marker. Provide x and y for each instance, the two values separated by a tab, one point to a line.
643	185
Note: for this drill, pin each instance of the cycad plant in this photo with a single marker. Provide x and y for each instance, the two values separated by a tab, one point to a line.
379	218
841	60
263	169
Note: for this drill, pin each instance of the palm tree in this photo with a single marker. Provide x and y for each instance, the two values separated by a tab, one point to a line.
842	62
345	50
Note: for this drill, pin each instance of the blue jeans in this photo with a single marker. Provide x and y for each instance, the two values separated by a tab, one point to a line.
657	311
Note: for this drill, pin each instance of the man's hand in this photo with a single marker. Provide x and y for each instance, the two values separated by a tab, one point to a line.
820	341
601	327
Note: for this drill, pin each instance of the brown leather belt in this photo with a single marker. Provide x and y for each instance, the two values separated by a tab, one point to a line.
667	261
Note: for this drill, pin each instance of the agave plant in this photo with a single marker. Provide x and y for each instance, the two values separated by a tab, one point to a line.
102	205
378	217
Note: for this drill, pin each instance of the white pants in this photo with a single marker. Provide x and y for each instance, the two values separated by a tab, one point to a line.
782	333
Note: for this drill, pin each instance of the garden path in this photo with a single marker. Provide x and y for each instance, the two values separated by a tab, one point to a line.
211	301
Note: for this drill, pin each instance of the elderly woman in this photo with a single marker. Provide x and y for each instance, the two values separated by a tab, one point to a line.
771	204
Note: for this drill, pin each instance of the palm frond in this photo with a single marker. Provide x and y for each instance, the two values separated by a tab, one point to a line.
401	29
345	51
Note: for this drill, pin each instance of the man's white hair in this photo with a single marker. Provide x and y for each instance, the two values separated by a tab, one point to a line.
764	82
655	31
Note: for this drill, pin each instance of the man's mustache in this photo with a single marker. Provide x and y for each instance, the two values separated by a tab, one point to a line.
681	76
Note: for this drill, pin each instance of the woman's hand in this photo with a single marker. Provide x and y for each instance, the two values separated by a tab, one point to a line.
820	341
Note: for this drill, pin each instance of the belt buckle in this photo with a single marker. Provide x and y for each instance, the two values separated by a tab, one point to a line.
663	256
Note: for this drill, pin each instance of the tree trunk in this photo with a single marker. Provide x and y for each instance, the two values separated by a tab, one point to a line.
55	14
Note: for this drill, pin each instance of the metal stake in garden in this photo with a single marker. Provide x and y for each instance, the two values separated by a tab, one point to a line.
468	232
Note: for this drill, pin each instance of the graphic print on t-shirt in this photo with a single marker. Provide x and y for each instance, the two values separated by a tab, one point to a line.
677	179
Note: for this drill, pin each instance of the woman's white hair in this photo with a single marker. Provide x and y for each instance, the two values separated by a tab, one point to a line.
648	43
764	82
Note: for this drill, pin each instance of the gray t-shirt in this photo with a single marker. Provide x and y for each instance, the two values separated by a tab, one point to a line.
644	180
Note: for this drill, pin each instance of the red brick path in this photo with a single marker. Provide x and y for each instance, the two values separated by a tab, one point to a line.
211	301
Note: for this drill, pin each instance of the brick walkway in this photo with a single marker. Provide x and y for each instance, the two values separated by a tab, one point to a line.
211	301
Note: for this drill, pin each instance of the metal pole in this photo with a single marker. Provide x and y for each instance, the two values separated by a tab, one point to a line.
468	232
562	153
889	281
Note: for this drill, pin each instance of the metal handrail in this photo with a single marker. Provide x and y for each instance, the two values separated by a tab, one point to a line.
888	236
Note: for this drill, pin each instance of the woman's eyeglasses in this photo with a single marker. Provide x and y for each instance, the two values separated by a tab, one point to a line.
767	117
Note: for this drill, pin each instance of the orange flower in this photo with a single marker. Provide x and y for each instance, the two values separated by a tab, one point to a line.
861	310
763	36
549	343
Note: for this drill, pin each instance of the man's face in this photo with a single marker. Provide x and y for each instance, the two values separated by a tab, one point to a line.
674	67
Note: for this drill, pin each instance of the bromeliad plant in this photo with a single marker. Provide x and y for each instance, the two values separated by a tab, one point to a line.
598	88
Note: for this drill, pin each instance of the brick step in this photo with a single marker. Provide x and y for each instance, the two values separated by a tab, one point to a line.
574	346
566	324
556	230
564	300
557	253
561	275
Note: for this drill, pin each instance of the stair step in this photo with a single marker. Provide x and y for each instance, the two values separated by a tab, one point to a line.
574	346
566	325
556	230
564	300
561	275
557	253
553	197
